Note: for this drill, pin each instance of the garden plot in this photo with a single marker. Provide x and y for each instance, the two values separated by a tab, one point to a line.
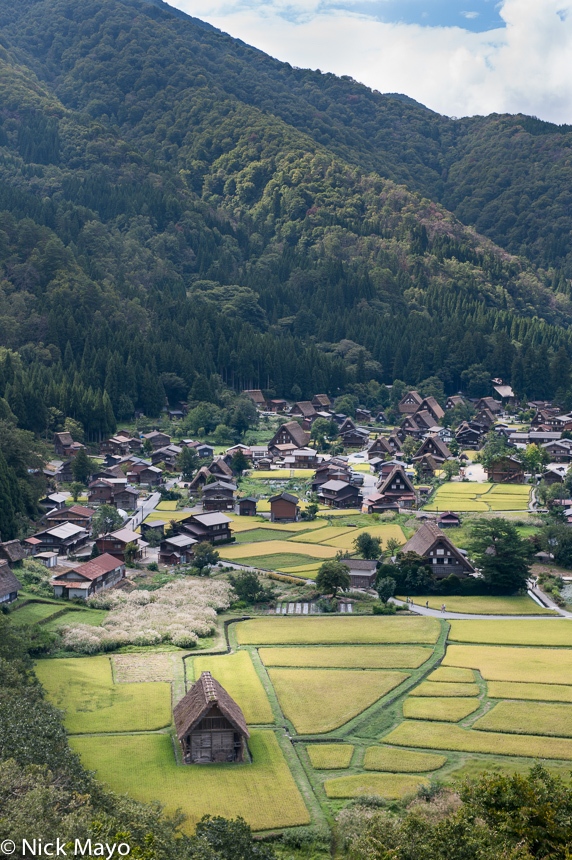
550	633
389	785
447	709
264	793
320	700
330	756
444	736
528	718
84	688
528	665
518	605
401	761
135	668
339	630
238	677
348	657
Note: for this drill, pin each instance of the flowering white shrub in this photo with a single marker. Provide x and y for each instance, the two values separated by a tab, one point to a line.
180	612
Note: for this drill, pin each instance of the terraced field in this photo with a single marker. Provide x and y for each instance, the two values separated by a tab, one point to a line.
482	498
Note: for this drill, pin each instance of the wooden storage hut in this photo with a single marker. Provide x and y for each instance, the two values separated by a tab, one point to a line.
210	725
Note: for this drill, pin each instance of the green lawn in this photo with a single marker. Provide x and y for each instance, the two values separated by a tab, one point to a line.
263	793
93	703
32	613
94	617
262	534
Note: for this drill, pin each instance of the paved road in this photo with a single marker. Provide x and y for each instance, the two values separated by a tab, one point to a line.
143	511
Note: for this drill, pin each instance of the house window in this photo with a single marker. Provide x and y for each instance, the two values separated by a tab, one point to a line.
440	552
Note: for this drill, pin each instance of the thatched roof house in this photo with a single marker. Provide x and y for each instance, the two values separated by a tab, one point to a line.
438	551
210	725
9	584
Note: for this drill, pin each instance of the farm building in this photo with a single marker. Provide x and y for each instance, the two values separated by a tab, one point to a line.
247	506
210	725
99	573
9	584
363	572
284	508
438	551
507	470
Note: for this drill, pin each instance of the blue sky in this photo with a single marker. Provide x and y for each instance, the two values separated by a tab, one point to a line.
458	57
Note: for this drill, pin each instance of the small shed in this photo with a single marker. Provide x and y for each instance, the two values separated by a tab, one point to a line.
210	725
247	507
363	572
449	520
284	508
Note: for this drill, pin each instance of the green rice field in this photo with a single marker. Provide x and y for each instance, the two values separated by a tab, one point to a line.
485	605
482	498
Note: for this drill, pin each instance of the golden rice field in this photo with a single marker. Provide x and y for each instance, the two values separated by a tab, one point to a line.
325	534
447	708
163	516
535	692
444	736
289	630
401	761
330	756
448	675
385	532
528	718
450	688
485	605
84	689
319	700
524	632
530	665
389	785
238	677
264	793
348	657
235	552
470	496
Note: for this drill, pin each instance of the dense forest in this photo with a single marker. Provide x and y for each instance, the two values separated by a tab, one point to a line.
180	212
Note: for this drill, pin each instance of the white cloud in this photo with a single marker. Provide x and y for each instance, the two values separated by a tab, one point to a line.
470	15
523	67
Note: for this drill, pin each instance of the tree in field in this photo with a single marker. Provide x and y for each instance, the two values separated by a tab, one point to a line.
385	587
534	458
204	556
391	547
367	546
249	588
219	838
331	576
501	554
76	490
188	463
106	519
82	466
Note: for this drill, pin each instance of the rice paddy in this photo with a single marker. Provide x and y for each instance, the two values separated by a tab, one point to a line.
84	688
448	675
238	552
447	709
238	677
330	756
401	761
469	496
444	736
332	631
512	632
528	718
348	657
320	700
264	793
529	665
389	785
451	688
518	605
534	692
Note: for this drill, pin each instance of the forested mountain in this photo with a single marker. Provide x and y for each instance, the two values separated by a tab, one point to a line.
181	211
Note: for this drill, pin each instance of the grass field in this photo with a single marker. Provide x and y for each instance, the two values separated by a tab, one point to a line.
319	700
332	631
31	613
330	756
263	793
475	766
519	605
450	688
280	561
389	785
238	552
534	692
448	675
350	657
94	617
530	665
93	703
557	632
444	736
238	677
448	708
260	534
401	761
528	718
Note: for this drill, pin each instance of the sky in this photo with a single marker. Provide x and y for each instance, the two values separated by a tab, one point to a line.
457	57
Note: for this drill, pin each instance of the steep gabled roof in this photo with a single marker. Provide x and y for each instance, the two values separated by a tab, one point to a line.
288	497
8	581
428	535
398	471
205	694
12	550
298	436
305	408
442	449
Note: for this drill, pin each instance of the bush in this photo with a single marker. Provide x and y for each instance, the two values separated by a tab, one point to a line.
313	836
384	608
153	566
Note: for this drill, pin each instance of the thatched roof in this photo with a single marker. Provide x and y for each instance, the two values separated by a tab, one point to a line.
205	694
12	550
8	582
427	537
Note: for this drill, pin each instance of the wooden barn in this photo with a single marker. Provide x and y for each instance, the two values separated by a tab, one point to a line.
210	725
